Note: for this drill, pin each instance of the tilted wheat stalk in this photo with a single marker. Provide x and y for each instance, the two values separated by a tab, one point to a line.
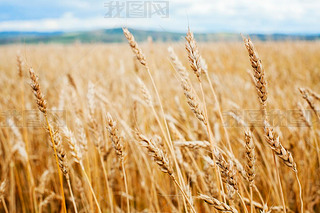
63	163
77	157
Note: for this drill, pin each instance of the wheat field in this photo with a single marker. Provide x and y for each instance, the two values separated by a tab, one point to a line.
167	127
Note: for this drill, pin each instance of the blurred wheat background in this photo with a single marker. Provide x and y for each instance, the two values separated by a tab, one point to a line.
127	141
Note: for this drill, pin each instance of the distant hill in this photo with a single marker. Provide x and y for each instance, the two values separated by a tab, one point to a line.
116	36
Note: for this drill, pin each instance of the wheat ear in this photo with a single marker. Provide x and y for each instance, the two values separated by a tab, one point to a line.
3	187
135	47
313	94
41	102
193	101
193	54
19	65
259	79
221	206
250	156
274	142
305	96
303	115
177	64
192	144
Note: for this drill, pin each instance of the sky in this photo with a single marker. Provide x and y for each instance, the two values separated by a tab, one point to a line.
237	16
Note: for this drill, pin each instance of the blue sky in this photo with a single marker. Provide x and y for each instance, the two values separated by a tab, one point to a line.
246	16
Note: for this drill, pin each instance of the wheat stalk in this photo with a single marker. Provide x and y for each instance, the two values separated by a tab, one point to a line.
77	156
63	163
42	105
118	146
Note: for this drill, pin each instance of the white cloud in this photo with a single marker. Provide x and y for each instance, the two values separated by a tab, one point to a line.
203	15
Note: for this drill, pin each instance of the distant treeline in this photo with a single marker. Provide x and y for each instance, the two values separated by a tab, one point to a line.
116	36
